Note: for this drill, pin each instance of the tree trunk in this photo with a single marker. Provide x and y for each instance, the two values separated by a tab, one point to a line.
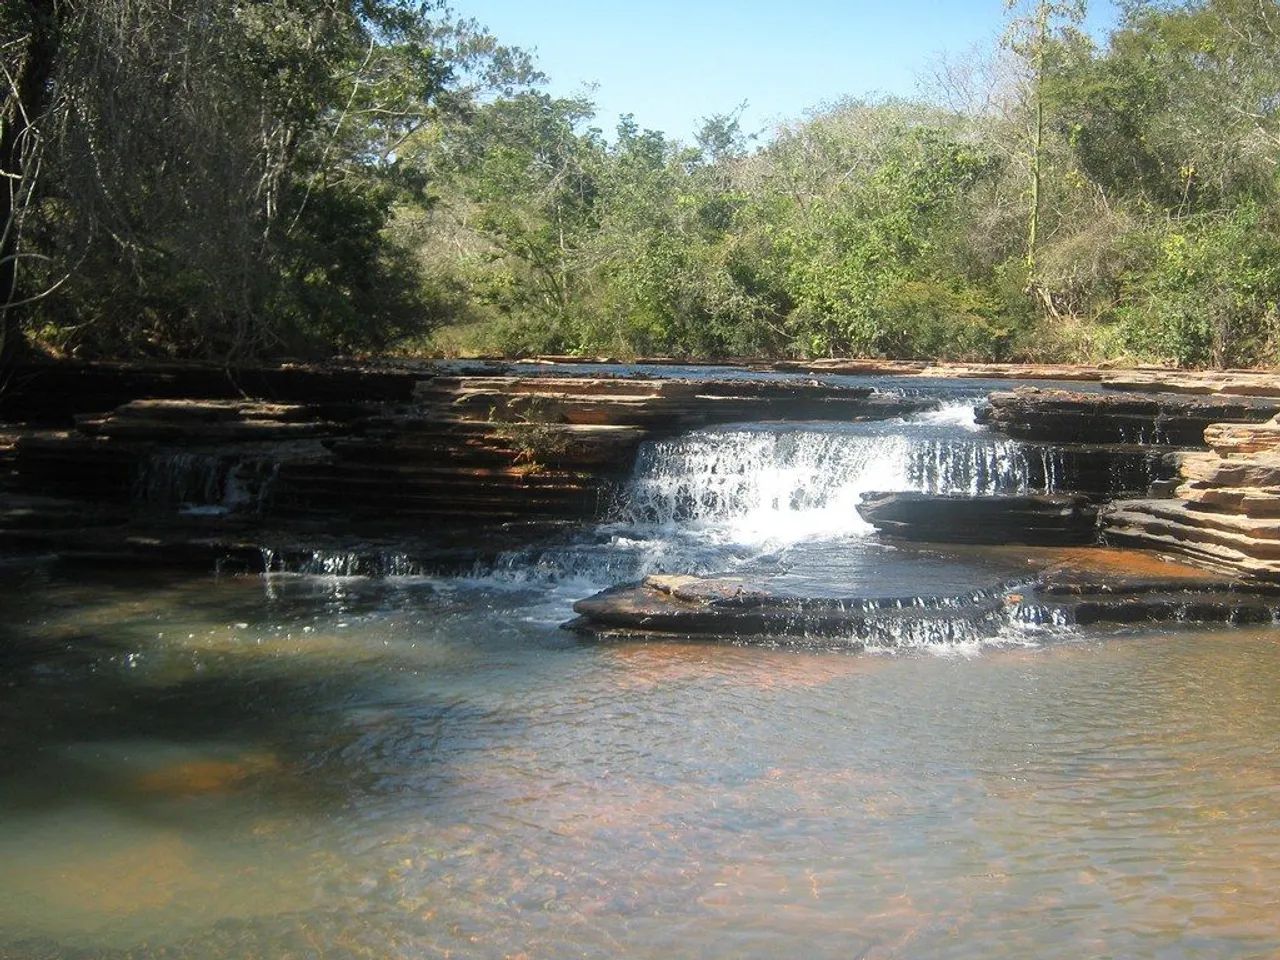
1037	146
23	105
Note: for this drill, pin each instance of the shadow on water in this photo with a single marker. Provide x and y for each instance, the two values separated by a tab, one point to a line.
250	674
164	742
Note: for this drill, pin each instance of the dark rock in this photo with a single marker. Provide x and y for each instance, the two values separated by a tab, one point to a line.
726	608
50	393
1037	519
358	446
1063	416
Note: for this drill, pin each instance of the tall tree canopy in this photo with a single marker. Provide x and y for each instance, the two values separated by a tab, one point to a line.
223	178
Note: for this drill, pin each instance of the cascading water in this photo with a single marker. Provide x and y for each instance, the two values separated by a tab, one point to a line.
211	483
777	504
771	484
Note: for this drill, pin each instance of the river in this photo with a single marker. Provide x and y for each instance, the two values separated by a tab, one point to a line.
309	764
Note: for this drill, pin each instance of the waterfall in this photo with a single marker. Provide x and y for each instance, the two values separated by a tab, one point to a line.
771	484
204	483
774	505
370	562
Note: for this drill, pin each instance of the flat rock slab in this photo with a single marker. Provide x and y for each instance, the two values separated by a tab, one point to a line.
1061	587
727	609
1036	519
1245	383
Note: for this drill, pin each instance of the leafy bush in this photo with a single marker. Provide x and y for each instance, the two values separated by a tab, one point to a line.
1210	296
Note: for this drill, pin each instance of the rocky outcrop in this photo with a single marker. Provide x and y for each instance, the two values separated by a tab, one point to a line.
50	393
874	366
1065	416
1225	513
728	608
1222	383
660	406
424	452
1036	519
1213	539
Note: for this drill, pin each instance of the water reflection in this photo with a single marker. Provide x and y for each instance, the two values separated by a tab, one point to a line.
354	769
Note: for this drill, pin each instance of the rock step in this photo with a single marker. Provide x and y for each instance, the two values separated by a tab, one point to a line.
1030	413
1247	383
651	607
53	392
1083	590
1038	519
1227	439
1249	501
1221	541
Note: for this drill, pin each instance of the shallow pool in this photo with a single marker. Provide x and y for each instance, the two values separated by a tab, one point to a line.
303	767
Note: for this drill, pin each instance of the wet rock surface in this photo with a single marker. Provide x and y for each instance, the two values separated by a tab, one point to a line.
396	467
1030	413
1035	519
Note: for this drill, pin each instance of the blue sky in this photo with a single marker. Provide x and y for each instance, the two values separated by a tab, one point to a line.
671	63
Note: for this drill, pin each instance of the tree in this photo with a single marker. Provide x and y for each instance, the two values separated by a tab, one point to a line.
1030	35
29	34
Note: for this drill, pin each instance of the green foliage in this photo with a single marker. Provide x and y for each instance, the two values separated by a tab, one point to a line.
928	319
219	179
1211	296
846	252
311	176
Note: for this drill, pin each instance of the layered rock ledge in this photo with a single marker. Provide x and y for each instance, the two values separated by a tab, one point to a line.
1160	419
1225	513
205	457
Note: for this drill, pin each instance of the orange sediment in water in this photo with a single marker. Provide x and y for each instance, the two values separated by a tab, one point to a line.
199	777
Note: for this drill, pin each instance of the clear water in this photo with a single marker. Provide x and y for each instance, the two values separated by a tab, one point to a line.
299	766
416	769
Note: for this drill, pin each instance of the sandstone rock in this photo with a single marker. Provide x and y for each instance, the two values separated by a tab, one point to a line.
727	608
1243	383
1227	439
1221	541
658	405
432	452
1066	416
1078	586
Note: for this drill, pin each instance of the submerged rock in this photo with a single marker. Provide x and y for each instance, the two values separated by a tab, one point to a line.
1037	519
